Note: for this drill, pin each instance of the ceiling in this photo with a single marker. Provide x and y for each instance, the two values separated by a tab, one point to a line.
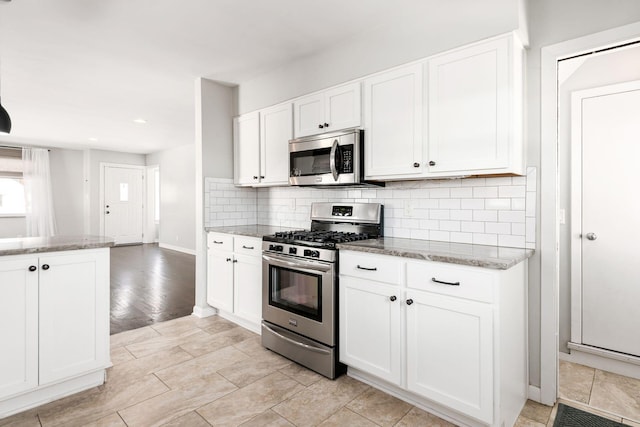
77	73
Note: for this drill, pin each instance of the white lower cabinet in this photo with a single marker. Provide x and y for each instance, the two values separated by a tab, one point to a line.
57	306
450	352
370	335
234	278
449	338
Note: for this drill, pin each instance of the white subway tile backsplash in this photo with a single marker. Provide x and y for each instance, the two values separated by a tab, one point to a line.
511	191
484	216
497	228
472	204
485	239
485	192
497	204
472	227
487	211
511	216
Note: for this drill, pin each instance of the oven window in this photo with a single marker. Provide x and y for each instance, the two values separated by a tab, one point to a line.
297	292
312	162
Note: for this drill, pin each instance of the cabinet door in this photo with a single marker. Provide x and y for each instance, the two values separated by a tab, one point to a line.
18	325
393	123
247	299
275	132
220	280
450	352
342	107
246	149
308	115
469	107
370	331
74	313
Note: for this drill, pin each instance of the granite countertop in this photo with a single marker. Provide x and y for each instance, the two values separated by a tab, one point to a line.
31	245
254	230
494	257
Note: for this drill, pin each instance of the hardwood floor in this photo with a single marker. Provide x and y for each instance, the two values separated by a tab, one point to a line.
149	285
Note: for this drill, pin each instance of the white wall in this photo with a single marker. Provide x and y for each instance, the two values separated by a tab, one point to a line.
177	200
379	49
67	176
214	106
92	160
614	67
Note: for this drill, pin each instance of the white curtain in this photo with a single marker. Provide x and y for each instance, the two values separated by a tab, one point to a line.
37	189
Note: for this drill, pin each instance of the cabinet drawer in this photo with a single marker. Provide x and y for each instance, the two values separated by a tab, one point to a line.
380	268
462	282
220	242
247	246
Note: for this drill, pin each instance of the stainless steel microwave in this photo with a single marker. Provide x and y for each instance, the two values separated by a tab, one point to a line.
327	159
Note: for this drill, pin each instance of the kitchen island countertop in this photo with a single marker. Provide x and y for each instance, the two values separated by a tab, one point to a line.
494	257
254	230
31	245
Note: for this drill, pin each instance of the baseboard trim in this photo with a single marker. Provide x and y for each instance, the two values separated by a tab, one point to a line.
204	311
535	394
600	360
177	249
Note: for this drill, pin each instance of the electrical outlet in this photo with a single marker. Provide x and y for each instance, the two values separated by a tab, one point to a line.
408	208
292	203
562	216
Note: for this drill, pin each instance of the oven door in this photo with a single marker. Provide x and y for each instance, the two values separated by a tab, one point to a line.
299	295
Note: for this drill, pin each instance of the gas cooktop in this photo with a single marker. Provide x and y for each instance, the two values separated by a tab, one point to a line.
318	238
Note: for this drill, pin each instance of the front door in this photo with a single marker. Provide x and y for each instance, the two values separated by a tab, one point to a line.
123	203
606	214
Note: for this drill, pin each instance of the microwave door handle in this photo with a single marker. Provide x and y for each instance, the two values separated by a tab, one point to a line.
299	265
332	160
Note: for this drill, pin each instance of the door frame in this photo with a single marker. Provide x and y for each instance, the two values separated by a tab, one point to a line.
103	167
549	204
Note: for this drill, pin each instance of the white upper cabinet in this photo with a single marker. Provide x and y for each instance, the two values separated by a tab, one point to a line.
246	149
393	112
261	146
475	110
331	110
275	133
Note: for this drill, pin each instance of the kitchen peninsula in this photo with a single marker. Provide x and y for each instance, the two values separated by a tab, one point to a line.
54	308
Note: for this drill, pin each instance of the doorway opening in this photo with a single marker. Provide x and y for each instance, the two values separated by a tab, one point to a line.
591	106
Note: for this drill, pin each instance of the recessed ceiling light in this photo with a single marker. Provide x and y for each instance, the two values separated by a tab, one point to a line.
93	139
140	121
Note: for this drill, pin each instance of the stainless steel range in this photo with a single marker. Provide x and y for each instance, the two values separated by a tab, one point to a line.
300	283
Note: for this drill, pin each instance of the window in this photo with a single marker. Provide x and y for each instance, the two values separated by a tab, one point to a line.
12	201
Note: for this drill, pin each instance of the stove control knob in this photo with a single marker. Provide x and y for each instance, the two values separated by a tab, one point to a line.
277	248
312	254
293	251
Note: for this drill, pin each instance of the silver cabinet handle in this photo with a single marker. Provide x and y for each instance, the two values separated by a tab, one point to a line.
433	279
591	236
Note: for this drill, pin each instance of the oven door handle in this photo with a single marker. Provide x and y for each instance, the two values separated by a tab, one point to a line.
332	160
300	265
299	344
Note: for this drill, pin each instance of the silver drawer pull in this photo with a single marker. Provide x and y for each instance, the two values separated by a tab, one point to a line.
433	279
217	243
367	268
247	247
